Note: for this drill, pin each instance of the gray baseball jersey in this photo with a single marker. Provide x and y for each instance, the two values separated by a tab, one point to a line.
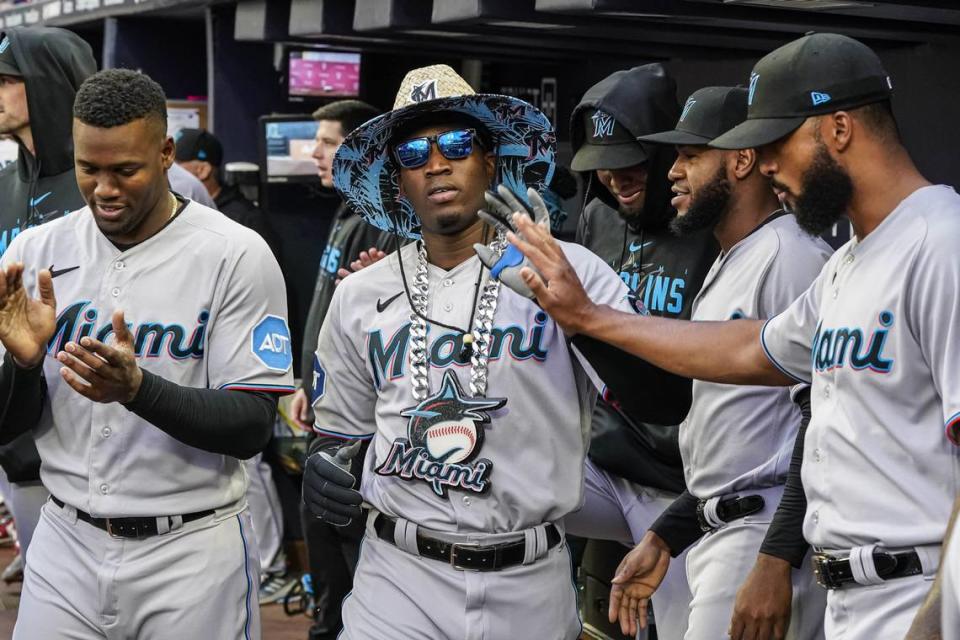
741	437
524	466
205	302
878	335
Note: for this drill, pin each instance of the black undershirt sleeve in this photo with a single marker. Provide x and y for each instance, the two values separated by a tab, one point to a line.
678	524
21	398
784	537
232	423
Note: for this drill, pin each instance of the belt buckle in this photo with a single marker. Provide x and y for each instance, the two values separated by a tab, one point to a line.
821	569
453	555
702	519
110	529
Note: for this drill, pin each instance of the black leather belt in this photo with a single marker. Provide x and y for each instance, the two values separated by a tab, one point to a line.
466	556
833	573
730	509
139	527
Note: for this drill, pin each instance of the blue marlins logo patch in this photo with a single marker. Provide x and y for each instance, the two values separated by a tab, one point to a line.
270	342
444	435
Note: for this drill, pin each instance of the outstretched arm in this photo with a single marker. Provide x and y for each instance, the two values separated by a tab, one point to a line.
728	352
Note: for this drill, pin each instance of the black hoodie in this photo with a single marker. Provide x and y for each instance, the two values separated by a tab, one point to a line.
42	187
664	270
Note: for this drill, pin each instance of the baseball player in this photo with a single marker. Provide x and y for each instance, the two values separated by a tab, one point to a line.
765	262
477	409
875	334
634	469
144	340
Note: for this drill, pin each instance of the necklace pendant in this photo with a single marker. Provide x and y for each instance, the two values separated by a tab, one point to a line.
445	434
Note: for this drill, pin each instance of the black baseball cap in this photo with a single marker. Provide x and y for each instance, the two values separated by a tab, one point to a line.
708	113
198	144
819	73
8	63
607	145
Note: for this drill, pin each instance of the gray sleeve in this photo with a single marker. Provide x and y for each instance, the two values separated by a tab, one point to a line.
187	185
344	392
248	344
934	317
786	338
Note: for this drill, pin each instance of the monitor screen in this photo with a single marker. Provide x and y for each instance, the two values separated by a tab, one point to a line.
320	74
288	144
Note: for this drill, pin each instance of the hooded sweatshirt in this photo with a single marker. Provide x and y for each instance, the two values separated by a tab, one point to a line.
42	187
664	271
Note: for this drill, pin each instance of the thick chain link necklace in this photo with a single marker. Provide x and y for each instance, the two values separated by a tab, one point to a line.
481	333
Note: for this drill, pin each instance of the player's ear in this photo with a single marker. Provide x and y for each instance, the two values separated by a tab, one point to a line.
490	166
167	152
745	160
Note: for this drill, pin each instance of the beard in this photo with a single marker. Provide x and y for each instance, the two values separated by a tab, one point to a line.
826	192
706	208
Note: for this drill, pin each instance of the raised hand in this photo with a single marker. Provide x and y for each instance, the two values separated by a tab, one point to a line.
550	277
501	207
104	373
364	260
638	577
26	324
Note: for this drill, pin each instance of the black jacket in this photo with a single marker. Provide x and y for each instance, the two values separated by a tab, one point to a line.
349	235
42	187
665	271
233	204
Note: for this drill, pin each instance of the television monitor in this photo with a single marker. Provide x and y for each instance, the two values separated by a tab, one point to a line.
322	74
286	148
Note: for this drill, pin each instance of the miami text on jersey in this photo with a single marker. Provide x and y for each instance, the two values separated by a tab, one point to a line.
831	347
150	338
388	360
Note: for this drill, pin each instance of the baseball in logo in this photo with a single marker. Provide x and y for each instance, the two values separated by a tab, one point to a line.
444	435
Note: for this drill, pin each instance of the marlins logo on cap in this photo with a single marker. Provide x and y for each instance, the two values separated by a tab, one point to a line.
4	44
602	124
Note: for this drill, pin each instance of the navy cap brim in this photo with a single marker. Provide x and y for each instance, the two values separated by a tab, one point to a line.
757	132
591	157
675	137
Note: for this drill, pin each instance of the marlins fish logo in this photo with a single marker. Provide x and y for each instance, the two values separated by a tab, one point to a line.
446	424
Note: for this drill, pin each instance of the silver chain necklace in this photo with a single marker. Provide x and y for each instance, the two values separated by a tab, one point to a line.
482	327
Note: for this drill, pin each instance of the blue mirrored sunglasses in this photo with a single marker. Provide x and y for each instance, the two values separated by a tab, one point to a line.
454	145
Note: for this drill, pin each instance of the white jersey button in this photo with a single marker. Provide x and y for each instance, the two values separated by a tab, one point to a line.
816	455
816	518
448	307
836	292
104	489
448	282
826	391
466	500
115	292
848	259
106	432
118	265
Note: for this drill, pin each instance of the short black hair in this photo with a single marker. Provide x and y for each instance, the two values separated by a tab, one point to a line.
879	118
349	113
115	97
